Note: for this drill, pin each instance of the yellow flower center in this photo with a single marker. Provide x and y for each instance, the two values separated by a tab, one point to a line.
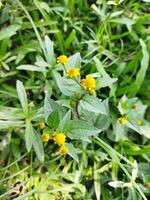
73	72
45	137
62	59
59	138
88	83
41	125
122	120
139	122
134	106
63	150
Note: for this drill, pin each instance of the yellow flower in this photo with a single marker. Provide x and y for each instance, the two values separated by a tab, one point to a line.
45	137
88	83
139	122
62	59
122	120
147	184
41	125
73	72
59	138
63	150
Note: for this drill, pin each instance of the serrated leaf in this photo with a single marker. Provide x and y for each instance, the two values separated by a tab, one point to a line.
81	130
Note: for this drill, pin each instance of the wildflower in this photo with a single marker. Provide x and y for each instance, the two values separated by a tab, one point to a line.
122	120
59	138
63	150
139	122
73	72
45	137
41	125
89	83
62	59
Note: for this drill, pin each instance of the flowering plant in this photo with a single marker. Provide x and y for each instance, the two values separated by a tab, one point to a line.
78	114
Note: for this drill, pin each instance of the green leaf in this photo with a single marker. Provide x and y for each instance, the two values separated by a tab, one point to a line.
9	31
55	117
22	96
72	152
97	185
103	121
63	123
50	51
70	38
81	130
74	61
145	130
67	86
29	134
119	131
31	68
133	88
142	72
38	146
105	82
5	124
49	106
93	104
15	145
133	126
10	113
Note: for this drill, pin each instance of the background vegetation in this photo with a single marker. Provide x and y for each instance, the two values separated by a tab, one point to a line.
113	38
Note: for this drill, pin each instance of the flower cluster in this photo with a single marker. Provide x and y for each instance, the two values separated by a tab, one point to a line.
58	138
89	84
